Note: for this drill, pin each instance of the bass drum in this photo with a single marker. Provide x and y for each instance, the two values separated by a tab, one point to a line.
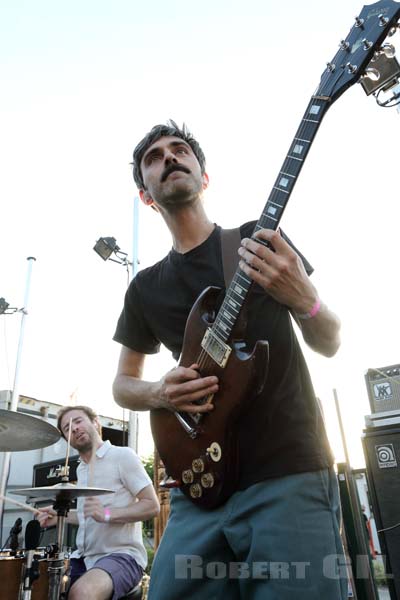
11	577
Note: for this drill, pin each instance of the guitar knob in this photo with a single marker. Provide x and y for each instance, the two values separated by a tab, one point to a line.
344	45
195	490
198	465
187	476
366	44
215	452
207	480
359	22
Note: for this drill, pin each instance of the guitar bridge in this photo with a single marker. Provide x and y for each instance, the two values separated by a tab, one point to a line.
216	348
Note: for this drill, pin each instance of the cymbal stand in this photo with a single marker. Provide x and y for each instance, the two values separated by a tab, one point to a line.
56	564
56	568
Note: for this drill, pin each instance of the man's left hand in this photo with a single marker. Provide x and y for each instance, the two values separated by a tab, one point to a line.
95	509
279	270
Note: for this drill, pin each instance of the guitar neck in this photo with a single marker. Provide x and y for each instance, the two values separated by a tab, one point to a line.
273	210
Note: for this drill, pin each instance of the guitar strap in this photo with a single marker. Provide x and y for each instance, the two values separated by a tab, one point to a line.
230	242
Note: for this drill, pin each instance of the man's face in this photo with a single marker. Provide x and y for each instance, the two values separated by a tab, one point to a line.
83	430
171	174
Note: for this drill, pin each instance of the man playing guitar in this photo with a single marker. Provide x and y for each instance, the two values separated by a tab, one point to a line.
276	536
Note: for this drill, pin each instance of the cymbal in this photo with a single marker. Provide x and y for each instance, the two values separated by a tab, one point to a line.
23	432
64	491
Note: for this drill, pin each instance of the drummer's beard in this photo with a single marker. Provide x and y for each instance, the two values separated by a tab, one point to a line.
84	445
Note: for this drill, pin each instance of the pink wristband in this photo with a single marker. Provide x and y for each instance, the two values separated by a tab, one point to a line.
314	311
107	515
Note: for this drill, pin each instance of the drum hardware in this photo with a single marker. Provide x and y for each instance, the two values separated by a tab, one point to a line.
31	571
62	494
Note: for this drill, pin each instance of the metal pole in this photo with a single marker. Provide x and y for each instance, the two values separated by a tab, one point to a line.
362	577
15	393
133	415
339	416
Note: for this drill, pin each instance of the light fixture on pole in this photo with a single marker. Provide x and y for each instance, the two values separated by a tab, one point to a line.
5	308
106	247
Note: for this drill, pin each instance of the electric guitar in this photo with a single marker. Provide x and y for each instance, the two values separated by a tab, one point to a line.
200	451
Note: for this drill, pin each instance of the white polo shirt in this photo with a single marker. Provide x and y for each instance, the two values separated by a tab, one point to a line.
119	469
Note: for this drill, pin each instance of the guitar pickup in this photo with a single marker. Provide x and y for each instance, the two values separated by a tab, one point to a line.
216	348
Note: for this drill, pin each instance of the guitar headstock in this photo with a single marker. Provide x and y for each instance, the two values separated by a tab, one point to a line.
363	44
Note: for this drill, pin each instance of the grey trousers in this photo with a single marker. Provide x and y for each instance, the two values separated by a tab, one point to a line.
277	540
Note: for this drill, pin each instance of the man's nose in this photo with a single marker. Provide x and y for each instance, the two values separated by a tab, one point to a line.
169	157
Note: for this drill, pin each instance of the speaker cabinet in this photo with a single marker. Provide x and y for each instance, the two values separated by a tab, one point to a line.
381	445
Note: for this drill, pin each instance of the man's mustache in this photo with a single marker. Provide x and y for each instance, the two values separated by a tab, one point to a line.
171	169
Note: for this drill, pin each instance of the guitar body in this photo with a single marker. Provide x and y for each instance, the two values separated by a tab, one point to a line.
206	466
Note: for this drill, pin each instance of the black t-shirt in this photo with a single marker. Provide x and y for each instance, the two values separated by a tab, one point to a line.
283	432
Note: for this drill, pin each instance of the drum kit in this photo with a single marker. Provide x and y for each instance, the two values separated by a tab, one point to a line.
36	573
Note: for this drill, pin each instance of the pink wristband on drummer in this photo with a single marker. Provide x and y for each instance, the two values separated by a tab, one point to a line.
314	311
107	515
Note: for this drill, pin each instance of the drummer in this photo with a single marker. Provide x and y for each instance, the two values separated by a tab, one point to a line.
110	555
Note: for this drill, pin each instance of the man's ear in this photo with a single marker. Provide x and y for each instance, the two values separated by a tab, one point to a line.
206	181
146	198
97	425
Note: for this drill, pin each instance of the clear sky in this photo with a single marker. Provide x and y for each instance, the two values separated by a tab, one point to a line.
82	82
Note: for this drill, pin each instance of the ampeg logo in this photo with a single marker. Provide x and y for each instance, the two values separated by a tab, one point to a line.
383	391
386	456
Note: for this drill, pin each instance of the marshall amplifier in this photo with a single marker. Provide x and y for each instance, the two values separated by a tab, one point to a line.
383	386
381	445
45	474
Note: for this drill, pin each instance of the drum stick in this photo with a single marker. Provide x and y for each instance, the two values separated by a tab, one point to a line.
68	446
20	504
92	462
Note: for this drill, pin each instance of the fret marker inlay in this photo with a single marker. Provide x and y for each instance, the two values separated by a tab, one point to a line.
298	149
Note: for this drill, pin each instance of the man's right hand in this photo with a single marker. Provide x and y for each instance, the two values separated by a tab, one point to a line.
181	387
47	517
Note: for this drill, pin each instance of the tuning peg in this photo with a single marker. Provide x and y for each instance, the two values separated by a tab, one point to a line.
388	50
372	74
330	66
359	22
367	44
383	21
344	45
351	68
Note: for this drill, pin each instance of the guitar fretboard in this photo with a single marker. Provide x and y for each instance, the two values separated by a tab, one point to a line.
273	211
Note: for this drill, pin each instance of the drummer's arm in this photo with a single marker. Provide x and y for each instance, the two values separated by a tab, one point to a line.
143	507
72	517
47	517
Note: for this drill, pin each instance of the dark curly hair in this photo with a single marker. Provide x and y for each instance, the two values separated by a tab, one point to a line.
157	132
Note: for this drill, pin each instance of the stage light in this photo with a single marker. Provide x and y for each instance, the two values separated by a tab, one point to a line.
105	246
3	306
